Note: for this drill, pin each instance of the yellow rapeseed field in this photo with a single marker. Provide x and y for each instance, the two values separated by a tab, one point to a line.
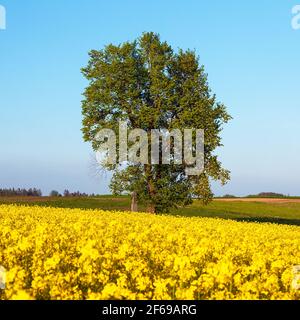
89	254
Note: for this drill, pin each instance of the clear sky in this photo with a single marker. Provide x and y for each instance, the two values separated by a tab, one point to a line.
248	48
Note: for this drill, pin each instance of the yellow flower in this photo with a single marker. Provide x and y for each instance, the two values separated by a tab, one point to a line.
65	254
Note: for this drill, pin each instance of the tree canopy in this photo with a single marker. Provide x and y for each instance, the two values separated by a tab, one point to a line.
149	85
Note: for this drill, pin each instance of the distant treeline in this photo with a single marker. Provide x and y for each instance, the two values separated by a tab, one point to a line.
268	195
260	195
32	192
67	193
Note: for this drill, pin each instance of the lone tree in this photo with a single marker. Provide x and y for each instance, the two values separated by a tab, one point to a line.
150	86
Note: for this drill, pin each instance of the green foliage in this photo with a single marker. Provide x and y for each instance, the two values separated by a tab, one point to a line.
229	196
267	195
55	193
148	85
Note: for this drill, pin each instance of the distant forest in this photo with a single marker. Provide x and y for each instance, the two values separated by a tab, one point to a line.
260	195
32	192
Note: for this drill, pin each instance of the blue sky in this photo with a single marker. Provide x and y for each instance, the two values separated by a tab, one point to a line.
248	48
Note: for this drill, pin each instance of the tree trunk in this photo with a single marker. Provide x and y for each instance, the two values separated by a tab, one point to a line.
151	208
151	189
134	207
